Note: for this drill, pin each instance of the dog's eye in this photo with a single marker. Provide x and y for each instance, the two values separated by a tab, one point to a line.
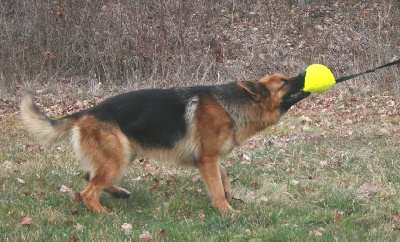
285	82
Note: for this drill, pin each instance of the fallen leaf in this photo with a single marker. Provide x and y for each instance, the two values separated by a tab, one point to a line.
126	228
146	236
69	223
73	239
196	178
370	187
264	199
78	226
137	179
143	162
202	216
305	120
65	189
294	182
318	232
337	217
170	181
323	163
396	217
75	195
162	233
149	167
20	180
26	220
291	170
246	157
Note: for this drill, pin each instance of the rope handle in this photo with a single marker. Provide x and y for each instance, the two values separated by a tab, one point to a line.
345	78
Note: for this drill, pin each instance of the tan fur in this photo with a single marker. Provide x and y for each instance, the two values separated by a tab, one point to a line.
40	126
214	128
105	152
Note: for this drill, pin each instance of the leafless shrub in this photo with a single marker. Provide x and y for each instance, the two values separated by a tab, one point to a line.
162	43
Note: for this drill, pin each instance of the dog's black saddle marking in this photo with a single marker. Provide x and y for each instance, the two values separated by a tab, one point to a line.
155	118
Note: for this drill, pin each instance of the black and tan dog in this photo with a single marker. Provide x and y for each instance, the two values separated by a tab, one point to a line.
195	126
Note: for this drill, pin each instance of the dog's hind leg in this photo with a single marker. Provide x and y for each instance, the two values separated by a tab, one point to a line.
104	177
115	191
210	170
106	172
105	152
91	194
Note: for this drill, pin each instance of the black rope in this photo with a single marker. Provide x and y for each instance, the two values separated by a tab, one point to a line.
345	78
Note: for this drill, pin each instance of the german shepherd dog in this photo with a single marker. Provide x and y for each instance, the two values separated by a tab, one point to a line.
191	126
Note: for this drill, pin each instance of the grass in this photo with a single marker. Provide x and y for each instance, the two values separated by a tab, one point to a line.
297	181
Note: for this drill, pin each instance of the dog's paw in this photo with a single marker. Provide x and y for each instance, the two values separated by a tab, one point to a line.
231	213
222	205
121	194
118	192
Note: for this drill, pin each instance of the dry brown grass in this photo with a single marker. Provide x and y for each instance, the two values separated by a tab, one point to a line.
163	43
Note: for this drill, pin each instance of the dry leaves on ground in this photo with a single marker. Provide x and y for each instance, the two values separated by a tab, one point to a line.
26	220
146	236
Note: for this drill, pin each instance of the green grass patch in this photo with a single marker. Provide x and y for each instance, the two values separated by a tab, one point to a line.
293	182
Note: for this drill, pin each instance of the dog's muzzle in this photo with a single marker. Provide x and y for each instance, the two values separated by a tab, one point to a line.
295	93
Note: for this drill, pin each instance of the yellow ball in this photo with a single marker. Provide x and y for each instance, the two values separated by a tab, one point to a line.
318	78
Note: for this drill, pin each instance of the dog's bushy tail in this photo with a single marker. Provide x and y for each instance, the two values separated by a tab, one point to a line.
46	130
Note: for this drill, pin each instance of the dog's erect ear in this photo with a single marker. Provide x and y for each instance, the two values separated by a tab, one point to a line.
257	90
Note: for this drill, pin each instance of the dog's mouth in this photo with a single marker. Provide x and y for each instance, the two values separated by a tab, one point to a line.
295	93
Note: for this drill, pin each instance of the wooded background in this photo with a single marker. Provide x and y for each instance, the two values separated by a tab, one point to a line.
164	43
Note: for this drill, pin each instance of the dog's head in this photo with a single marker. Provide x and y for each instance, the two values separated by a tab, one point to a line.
277	91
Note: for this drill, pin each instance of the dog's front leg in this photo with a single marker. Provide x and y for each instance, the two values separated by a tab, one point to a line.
210	170
225	183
